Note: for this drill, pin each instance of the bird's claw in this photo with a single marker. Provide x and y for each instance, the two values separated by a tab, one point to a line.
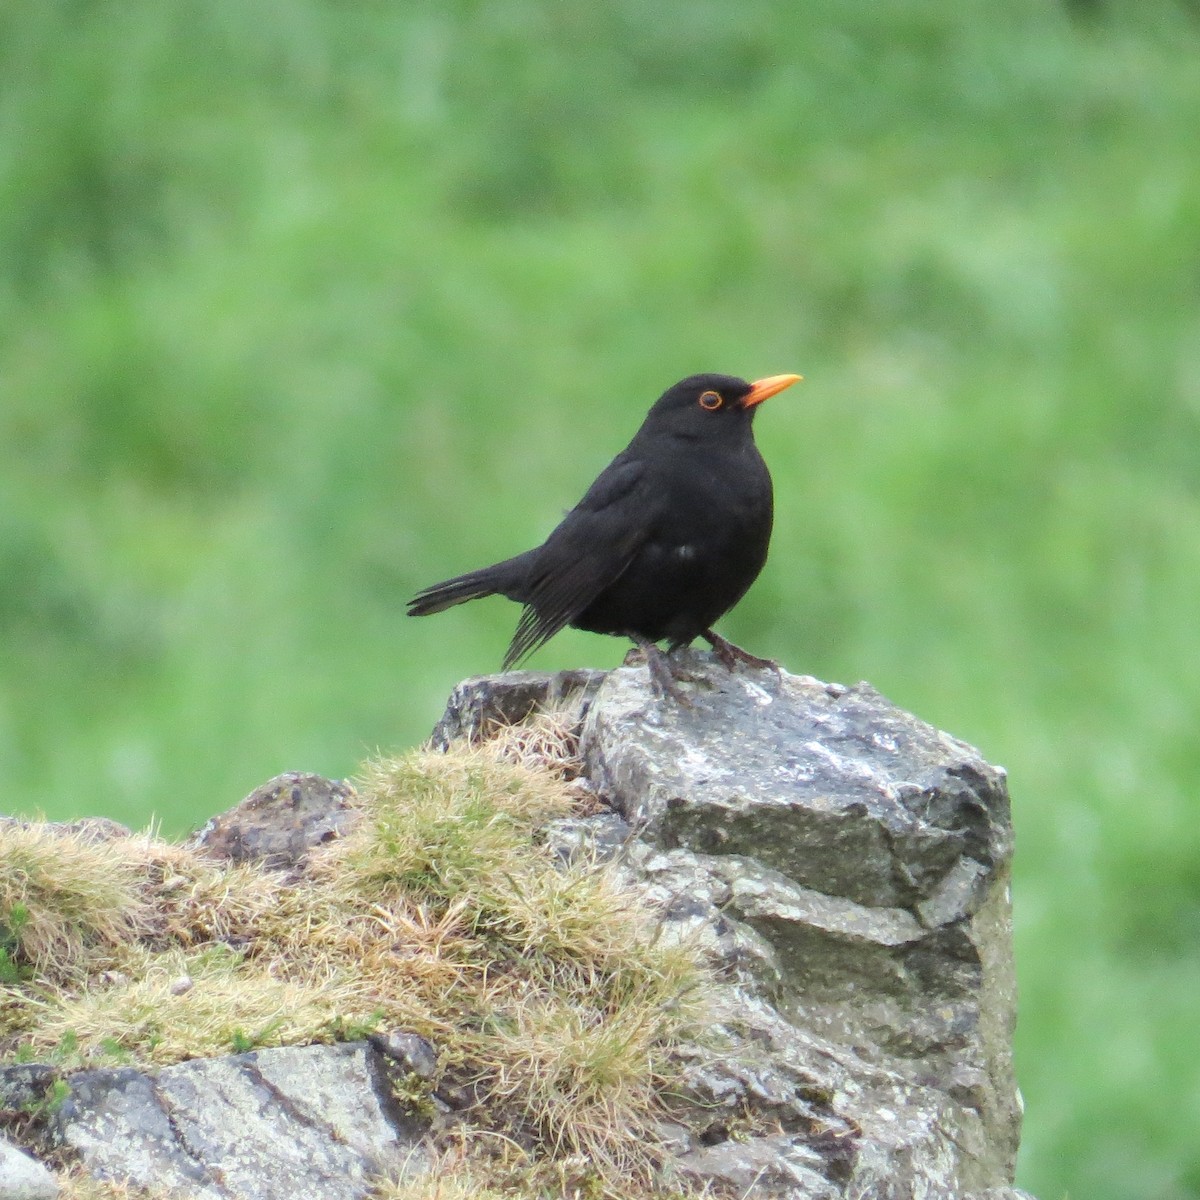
729	655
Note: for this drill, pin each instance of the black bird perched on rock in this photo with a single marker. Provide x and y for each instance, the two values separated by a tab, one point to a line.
667	540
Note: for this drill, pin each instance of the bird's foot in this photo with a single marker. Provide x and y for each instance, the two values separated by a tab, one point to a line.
664	678
730	655
680	672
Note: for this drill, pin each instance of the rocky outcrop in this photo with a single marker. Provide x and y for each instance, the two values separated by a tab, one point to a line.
846	867
843	867
292	1121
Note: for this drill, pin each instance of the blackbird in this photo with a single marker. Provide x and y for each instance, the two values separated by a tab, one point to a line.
668	539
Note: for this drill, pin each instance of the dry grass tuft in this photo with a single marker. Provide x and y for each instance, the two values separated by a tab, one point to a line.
227	1004
543	984
577	1072
77	1184
65	902
549	742
454	1177
197	901
439	822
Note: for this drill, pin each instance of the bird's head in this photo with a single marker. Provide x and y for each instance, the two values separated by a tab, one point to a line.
716	406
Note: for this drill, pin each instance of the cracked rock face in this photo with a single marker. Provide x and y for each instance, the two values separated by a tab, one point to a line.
292	1121
846	867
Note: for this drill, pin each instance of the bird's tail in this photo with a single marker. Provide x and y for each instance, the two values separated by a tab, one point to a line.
500	579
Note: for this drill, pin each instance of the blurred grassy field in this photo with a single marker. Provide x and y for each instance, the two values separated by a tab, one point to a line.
305	305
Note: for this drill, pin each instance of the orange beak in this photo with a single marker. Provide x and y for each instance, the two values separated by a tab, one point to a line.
764	389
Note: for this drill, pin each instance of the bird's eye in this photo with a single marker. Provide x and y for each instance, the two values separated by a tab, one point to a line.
711	400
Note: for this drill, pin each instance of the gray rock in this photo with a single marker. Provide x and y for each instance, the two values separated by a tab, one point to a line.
269	1125
601	837
120	1129
851	864
776	1165
23	1177
26	1087
845	868
413	1052
281	820
479	704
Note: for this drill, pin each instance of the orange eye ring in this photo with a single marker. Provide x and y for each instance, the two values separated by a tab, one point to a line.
711	400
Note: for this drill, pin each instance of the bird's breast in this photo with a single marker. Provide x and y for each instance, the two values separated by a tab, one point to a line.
704	521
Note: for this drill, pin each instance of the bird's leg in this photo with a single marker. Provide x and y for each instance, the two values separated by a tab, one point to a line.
730	655
662	676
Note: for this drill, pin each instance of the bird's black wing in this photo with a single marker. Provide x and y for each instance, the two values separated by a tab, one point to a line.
589	551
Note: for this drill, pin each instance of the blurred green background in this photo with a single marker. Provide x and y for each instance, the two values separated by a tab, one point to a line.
305	305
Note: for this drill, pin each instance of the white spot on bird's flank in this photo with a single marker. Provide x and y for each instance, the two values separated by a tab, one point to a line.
685	552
